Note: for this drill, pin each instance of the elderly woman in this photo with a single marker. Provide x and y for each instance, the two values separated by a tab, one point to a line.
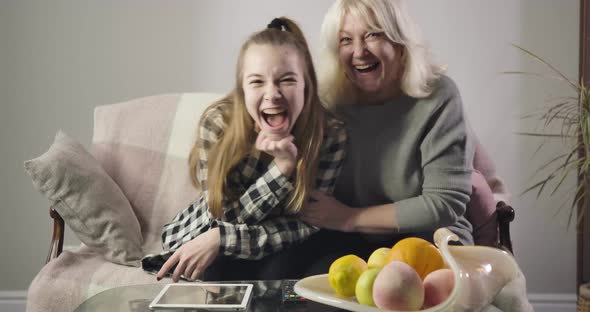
410	152
409	161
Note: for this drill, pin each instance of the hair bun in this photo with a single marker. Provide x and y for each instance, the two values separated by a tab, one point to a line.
279	24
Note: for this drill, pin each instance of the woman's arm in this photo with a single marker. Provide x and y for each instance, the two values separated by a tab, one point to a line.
446	153
327	212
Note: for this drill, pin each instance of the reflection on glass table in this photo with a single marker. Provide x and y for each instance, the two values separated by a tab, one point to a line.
267	296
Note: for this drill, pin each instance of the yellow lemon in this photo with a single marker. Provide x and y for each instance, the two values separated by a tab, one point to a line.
420	254
344	273
378	258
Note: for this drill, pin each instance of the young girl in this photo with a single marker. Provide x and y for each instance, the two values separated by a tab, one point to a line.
260	151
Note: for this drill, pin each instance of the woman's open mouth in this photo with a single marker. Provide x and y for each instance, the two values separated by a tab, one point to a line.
366	68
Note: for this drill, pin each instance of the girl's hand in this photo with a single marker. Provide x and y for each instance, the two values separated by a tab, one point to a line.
284	152
194	257
326	212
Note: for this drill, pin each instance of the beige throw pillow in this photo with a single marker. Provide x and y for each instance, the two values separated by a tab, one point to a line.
88	200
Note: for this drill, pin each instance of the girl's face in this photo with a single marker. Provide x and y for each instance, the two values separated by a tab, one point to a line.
274	88
371	62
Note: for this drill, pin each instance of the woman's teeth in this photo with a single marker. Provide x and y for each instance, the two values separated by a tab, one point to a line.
366	68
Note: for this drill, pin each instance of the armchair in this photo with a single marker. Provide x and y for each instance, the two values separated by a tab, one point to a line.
143	145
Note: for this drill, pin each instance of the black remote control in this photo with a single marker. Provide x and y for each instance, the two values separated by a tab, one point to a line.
289	294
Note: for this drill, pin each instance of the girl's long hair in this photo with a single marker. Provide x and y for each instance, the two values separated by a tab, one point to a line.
238	137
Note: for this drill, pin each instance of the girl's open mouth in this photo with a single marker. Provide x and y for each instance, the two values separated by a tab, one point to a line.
275	118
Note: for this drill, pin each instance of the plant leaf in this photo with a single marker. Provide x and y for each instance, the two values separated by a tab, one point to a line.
555	70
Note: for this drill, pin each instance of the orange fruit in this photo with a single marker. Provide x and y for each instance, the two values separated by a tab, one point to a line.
418	253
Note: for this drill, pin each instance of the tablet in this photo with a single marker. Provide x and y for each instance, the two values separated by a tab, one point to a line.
223	297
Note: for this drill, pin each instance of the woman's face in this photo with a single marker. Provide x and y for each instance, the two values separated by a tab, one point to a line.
370	60
274	88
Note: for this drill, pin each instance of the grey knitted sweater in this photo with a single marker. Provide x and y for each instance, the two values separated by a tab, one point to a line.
415	153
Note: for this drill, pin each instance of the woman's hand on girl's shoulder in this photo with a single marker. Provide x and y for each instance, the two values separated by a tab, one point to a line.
327	212
283	151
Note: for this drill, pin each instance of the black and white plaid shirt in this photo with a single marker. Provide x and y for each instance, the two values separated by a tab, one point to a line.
254	225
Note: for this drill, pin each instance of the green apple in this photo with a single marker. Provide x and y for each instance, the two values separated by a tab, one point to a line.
378	258
364	286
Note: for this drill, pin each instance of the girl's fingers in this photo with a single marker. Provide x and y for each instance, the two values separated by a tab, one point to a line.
195	275
283	148
167	266
190	270
179	270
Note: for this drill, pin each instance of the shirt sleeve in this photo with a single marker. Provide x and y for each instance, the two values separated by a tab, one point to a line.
446	160
252	242
332	156
246	241
260	197
196	219
252	207
244	220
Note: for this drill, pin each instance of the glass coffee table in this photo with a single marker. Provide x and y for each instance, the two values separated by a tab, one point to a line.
267	296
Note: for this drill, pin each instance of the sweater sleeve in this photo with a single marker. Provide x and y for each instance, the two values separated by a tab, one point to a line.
446	154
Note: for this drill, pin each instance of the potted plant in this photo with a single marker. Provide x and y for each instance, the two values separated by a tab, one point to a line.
571	115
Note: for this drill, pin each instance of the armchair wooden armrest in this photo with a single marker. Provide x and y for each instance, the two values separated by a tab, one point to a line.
505	214
57	240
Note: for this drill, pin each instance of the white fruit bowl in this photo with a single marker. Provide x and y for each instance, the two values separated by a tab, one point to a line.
481	272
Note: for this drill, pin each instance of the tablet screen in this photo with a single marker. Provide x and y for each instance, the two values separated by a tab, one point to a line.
203	295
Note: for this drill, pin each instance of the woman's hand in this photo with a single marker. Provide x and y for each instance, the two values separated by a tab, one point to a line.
284	151
194	257
326	212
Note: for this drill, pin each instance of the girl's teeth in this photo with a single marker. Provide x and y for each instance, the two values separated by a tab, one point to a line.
272	111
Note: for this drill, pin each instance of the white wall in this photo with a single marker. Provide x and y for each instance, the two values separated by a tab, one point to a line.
59	60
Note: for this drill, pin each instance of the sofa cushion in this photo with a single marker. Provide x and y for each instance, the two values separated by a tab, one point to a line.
88	200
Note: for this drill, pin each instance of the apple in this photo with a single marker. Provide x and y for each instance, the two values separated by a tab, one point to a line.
364	286
398	287
379	258
438	285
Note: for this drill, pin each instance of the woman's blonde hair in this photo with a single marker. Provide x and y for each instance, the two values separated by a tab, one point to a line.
388	16
238	137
